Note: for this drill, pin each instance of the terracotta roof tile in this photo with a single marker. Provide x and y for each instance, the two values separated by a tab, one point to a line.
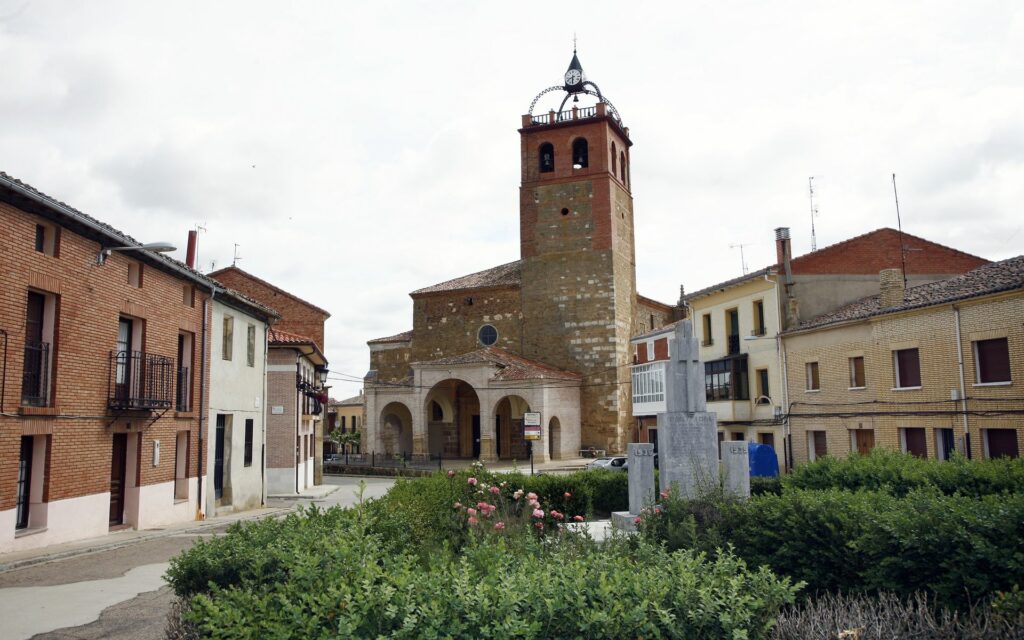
991	278
505	275
405	336
510	366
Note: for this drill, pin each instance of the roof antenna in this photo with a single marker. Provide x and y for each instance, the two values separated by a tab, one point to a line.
899	226
814	213
199	228
743	260
574	43
234	262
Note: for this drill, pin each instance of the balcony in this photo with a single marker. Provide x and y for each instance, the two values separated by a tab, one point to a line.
183	400
648	389
35	376
734	345
140	381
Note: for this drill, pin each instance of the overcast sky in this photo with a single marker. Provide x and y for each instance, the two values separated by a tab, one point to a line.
358	151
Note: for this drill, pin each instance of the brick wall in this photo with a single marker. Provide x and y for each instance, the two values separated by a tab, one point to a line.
91	299
872	252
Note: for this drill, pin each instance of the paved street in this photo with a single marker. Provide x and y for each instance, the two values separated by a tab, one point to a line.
119	592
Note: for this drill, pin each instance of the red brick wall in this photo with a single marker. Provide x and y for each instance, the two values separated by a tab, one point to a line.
91	298
872	252
296	316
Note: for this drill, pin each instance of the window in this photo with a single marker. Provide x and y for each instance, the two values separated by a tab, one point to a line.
907	368
763	392
250	345
857	372
766	438
343	419
648	383
1000	443
184	397
726	379
817	445
24	488
706	319
991	361
46	241
247	453
759	328
40	328
732	329
813	382
944	444
614	154
622	166
914	442
736	436
546	157
135	275
580	153
188	295
227	338
487	335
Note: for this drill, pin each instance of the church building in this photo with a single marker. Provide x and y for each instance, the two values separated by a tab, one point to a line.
548	333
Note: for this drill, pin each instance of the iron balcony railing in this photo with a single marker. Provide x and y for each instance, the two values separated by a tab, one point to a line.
734	345
35	376
140	380
184	397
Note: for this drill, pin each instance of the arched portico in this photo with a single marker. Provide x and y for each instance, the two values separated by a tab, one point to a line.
554	438
452	416
396	428
509	441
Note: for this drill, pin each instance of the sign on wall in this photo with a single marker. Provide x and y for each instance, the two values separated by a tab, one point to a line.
531	425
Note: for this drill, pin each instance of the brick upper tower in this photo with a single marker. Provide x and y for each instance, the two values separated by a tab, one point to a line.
577	249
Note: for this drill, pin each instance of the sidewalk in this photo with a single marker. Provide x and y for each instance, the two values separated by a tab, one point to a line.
127	537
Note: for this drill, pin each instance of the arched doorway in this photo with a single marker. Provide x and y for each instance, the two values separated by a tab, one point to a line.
554	439
508	428
396	428
452	411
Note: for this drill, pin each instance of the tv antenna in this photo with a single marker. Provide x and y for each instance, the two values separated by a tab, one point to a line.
200	228
899	227
743	259
234	261
814	213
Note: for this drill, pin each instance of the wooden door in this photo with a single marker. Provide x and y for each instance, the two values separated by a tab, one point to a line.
118	458
476	436
218	458
865	441
24	482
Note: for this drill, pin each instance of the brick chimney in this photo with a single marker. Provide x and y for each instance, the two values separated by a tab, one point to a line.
190	253
783	250
890	285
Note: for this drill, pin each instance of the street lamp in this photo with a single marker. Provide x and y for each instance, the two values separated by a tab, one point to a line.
157	247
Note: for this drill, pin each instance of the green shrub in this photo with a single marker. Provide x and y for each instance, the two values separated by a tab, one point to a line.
959	548
899	474
496	588
761	485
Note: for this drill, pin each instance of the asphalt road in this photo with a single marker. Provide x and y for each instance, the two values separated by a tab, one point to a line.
119	594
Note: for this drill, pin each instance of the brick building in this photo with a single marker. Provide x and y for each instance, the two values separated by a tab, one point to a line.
296	377
926	370
548	333
103	381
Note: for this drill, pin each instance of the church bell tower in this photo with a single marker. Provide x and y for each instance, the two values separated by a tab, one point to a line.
577	249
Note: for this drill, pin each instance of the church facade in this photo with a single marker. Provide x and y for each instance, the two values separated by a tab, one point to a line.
548	333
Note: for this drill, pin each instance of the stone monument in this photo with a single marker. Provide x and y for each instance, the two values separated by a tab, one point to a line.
687	433
641	484
736	463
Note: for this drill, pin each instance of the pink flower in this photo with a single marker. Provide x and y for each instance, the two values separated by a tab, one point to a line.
518	493
471	511
451	473
637	520
537	513
539	525
579	518
567	495
495	490
499	526
472	482
534	504
531	496
457	505
664	493
556	515
472	520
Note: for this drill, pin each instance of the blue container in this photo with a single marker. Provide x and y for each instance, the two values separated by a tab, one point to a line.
763	461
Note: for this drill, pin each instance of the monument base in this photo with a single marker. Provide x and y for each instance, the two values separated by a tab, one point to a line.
623	521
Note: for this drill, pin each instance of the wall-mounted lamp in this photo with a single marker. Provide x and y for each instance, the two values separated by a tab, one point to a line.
321	374
158	247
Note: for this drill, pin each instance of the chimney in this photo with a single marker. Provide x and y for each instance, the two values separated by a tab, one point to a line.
890	285
190	254
783	251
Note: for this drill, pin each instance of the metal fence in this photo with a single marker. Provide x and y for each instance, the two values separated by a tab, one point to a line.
140	380
423	461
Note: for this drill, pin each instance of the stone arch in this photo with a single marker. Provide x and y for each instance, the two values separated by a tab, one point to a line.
509	442
580	153
457	433
396	428
554	438
546	158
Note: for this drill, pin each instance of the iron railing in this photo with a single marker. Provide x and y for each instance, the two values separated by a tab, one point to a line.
140	380
36	374
184	397
734	345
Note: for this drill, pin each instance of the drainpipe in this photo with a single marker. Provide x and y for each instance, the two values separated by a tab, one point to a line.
202	406
963	386
263	421
298	419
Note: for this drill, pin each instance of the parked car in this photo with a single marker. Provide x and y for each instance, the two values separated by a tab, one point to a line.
615	463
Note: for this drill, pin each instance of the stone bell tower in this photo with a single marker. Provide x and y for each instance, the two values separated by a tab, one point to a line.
577	250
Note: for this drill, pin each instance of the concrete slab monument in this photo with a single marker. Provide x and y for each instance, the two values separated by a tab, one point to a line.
736	463
687	432
641	484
